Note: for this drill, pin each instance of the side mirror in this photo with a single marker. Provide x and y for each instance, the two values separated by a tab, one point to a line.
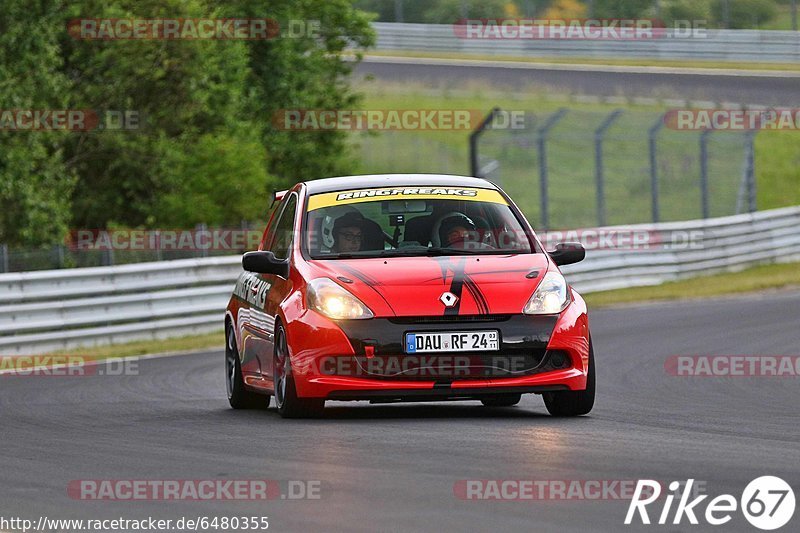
567	253
265	263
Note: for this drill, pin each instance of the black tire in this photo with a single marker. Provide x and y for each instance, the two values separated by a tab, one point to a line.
286	400
238	396
502	400
573	403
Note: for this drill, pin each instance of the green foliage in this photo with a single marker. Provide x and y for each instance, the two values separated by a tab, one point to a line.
205	149
305	72
34	182
743	13
622	9
449	11
685	10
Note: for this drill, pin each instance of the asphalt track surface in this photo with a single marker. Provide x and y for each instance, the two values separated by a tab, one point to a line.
393	467
760	88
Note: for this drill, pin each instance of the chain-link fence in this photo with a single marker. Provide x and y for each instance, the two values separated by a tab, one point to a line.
574	168
577	168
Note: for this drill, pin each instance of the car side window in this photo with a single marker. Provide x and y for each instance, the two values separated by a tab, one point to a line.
284	229
269	231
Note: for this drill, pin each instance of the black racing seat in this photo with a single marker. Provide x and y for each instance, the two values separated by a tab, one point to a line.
372	236
419	229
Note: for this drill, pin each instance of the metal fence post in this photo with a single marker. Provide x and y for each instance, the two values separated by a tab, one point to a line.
4	258
750	169
704	172
652	135
201	228
541	143
59	253
599	133
157	243
474	137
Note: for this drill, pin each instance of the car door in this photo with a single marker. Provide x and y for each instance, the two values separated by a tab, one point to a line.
269	290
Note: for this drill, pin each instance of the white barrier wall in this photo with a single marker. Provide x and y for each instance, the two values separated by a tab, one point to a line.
708	45
58	309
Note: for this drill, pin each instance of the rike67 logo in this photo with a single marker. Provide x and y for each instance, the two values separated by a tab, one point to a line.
767	502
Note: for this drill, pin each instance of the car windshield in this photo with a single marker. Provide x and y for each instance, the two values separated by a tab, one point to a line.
412	221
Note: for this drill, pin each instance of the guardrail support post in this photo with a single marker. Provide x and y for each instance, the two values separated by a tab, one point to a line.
474	137
541	143
652	135
598	164
704	172
4	258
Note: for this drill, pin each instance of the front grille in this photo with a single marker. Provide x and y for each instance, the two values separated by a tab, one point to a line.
447	319
448	367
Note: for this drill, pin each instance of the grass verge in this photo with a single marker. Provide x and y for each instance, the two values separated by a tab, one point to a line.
571	159
750	280
179	344
637	62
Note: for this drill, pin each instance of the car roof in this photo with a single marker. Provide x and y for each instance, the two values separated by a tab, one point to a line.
394	180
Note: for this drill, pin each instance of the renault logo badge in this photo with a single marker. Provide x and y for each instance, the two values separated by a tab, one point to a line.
448	299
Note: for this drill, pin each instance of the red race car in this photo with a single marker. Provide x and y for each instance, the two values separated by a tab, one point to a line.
402	287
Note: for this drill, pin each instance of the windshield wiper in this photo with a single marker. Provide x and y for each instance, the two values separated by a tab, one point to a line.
433	251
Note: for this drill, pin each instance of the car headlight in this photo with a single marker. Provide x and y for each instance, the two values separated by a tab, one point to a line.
333	301
551	296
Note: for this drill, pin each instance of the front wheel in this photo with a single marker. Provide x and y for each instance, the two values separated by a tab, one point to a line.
238	396
286	400
573	403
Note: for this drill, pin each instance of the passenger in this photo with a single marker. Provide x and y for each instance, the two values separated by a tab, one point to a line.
456	231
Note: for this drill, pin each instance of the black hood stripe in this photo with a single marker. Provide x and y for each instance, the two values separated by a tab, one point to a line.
475	290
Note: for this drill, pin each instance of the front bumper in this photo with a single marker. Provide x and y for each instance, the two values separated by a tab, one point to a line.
365	360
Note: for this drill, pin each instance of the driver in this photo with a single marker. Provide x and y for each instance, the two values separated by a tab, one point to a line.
348	233
456	230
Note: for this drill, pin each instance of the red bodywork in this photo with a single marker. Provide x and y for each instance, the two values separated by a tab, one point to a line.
392	288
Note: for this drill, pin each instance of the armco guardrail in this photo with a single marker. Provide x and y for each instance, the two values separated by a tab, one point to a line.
681	250
61	309
708	45
57	309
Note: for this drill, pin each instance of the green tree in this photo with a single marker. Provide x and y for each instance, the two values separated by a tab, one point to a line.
305	72
35	185
191	96
205	150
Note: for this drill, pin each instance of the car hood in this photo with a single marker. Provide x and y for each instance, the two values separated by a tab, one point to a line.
413	286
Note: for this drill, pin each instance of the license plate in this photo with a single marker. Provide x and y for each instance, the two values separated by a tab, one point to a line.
453	341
